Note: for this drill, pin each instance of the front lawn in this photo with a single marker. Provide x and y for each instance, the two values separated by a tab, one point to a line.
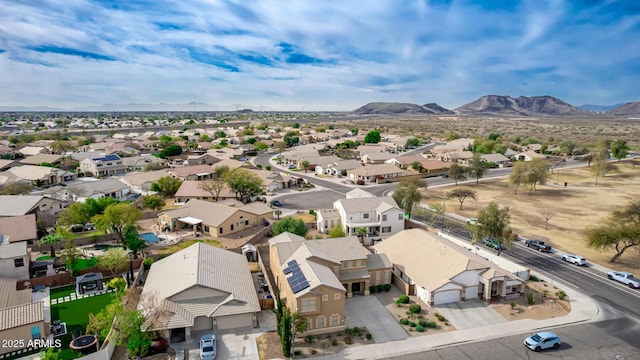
185	244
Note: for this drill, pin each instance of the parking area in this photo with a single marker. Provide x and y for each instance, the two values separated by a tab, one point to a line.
469	314
367	311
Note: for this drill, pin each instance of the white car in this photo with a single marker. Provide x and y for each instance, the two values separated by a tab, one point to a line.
473	221
542	340
208	347
574	259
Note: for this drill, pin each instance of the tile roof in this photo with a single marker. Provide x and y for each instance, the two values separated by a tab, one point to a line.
33	173
189	170
140	178
15	205
19	228
40	158
358	205
377	169
13	250
20	315
103	186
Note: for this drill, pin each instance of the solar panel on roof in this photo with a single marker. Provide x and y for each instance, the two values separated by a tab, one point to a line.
297	281
287	270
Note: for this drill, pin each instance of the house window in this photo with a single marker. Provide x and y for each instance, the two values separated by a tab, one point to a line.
399	216
308	305
384	217
325	297
221	230
335	320
231	227
246	222
365	216
336	296
319	322
387	277
18	262
377	277
206	228
386	229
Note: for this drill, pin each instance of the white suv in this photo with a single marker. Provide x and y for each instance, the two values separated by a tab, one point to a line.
574	259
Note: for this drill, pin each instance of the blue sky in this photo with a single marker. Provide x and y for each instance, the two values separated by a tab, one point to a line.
315	55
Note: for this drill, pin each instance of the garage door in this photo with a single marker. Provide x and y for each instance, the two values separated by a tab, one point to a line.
202	323
234	321
422	294
471	292
445	297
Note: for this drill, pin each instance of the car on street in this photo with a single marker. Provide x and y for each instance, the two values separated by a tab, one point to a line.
542	340
276	203
492	243
625	278
537	245
472	221
574	259
291	166
208	347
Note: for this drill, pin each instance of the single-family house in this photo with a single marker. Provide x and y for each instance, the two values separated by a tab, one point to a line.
41	175
214	219
189	190
460	157
338	168
193	172
376	157
140	182
6	164
14	258
41	158
496	158
424	165
200	288
203	159
140	162
108	187
20	318
316	160
32	150
375	173
41	206
380	216
314	277
21	228
451	274
105	165
273	181
528	155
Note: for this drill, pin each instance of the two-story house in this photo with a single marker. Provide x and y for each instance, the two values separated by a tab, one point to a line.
380	216
14	259
106	165
314	277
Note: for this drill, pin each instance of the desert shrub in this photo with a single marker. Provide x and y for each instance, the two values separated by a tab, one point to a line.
440	317
423	323
380	288
369	336
309	339
415	308
561	295
348	340
431	324
360	182
545	292
387	287
420	328
357	331
513	305
147	262
533	278
531	298
412	324
403	299
297	352
404	321
314	351
372	289
334	342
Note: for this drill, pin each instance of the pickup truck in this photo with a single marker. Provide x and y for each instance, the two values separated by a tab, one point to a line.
538	245
625	278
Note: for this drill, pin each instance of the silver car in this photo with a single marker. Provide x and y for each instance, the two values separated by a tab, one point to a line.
208	347
574	259
542	340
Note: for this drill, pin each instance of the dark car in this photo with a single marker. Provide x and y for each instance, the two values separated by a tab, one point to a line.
538	245
276	203
492	243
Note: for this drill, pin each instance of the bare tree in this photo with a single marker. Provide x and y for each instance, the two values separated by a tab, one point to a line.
462	194
547	214
213	186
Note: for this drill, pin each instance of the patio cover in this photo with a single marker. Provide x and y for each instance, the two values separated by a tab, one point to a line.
190	220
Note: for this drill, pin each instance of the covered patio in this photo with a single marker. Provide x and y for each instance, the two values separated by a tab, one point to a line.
89	283
194	222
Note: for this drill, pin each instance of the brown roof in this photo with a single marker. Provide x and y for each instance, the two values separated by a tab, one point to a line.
19	228
21	315
185	171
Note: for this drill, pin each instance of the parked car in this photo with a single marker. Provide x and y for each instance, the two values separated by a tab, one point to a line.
208	347
574	259
276	203
472	221
492	243
542	340
291	166
538	245
625	278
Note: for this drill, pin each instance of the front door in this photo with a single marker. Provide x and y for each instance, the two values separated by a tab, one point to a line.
355	288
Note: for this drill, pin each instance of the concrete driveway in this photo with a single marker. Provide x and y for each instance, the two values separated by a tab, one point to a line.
470	314
367	311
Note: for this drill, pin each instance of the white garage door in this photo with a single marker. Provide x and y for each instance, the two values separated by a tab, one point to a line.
202	323
422	294
471	292
234	321
445	297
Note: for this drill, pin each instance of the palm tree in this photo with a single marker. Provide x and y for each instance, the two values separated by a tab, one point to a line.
51	240
362	232
278	213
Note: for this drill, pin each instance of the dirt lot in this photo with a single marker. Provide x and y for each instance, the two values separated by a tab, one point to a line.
578	206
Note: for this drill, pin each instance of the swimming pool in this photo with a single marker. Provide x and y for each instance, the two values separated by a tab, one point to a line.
149	237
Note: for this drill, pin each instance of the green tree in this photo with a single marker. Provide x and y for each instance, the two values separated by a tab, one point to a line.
413	142
457	173
600	164
289	224
305	165
70	254
16	188
336	231
153	202
372	137
133	333
76	213
113	260
117	217
407	194
167	185
416	165
461	194
354	131
52	240
619	232
133	241
260	146
171	150
220	134
362	233
291	140
220	170
278	213
243	183
213	187
476	168
518	176
493	222
98	206
619	149
537	172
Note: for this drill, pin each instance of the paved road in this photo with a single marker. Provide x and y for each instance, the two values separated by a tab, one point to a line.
611	339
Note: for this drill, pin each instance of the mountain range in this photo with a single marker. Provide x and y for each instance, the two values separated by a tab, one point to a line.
501	105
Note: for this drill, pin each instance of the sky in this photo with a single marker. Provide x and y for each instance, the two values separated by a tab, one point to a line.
315	55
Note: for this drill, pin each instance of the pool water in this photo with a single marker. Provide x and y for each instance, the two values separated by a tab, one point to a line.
149	237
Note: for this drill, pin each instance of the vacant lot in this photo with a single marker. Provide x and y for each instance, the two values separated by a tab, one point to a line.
577	206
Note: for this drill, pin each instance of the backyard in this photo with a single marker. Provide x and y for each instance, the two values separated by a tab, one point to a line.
75	313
